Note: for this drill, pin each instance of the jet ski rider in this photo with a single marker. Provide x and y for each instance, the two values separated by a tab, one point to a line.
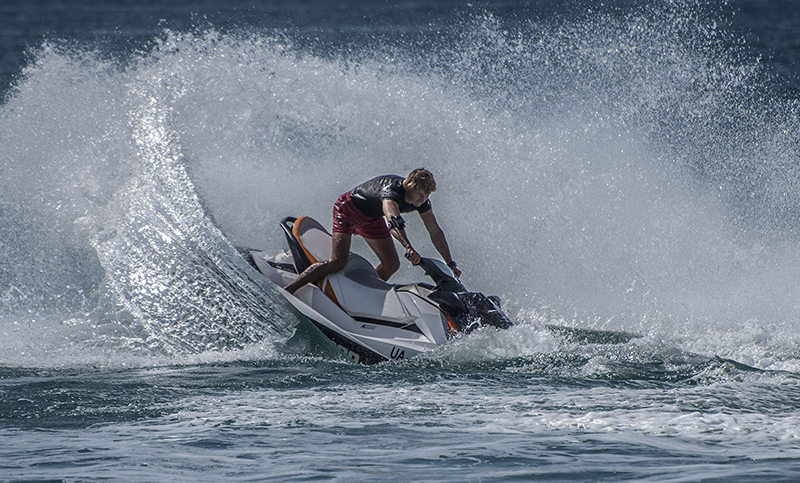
362	211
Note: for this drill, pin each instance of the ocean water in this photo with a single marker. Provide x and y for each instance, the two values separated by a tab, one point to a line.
625	175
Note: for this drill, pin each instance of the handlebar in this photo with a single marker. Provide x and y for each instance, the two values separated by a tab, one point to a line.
441	275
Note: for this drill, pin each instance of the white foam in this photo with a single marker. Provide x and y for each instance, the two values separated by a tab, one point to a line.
583	204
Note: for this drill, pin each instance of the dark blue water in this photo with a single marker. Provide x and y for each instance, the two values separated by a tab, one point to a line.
627	170
768	29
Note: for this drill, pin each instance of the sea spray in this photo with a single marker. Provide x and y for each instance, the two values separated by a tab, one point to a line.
619	170
119	215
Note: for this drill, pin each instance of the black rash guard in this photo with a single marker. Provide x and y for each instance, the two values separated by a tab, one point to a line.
368	197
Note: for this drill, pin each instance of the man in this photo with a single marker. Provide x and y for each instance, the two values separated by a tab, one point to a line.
362	211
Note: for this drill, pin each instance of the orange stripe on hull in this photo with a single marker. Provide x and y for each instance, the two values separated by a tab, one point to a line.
328	289
296	233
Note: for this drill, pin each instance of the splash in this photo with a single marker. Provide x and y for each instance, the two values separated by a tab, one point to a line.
117	209
624	170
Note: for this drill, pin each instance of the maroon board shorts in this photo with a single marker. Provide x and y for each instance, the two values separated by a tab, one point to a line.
347	218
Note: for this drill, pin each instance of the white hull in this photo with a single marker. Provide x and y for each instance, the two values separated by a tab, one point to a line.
370	339
370	320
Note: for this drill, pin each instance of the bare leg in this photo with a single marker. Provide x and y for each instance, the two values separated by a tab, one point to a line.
384	248
340	253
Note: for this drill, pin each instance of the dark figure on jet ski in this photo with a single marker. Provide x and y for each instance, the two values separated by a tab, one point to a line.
362	211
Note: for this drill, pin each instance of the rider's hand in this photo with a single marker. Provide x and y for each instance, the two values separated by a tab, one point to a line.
413	256
456	272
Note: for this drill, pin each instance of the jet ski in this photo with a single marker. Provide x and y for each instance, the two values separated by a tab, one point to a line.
370	320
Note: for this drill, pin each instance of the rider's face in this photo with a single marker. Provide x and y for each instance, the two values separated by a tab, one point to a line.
416	197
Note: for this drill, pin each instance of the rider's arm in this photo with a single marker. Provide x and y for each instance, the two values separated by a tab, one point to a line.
438	239
390	209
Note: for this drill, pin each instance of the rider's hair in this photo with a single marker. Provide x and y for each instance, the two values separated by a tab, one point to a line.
420	180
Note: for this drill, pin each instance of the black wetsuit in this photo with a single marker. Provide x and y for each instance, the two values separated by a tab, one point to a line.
368	196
